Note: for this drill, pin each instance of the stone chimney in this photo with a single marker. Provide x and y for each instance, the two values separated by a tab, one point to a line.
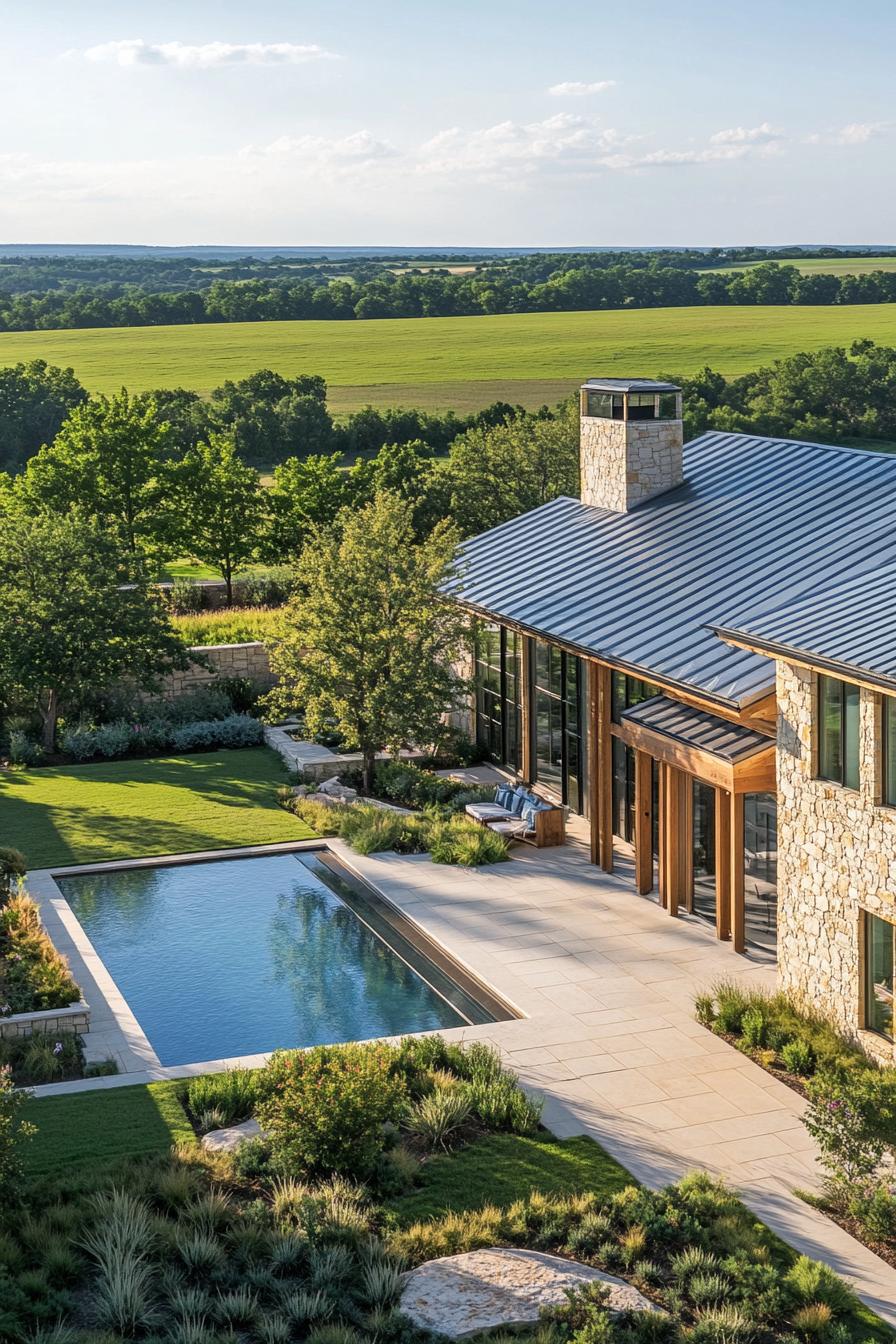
630	441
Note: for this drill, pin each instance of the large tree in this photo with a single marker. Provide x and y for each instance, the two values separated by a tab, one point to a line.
69	625
368	639
307	492
109	461
221	506
35	398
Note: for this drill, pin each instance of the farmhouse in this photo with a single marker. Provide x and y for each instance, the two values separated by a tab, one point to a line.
699	657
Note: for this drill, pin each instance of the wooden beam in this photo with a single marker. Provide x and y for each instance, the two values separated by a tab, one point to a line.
723	863
736	851
643	822
605	766
702	764
527	725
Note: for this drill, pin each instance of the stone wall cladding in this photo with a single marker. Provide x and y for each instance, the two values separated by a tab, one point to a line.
625	462
73	1021
223	660
836	857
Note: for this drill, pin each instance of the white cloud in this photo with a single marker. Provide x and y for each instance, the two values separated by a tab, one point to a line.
577	88
764	134
319	152
517	149
136	51
855	133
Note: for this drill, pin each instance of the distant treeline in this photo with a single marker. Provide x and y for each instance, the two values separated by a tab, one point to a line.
53	293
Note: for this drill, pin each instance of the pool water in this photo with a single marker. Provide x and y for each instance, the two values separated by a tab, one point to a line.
242	956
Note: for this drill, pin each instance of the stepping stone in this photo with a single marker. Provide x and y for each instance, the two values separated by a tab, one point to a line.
460	1295
226	1140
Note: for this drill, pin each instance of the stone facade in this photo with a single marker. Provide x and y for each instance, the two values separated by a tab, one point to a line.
50	1022
221	660
836	857
624	462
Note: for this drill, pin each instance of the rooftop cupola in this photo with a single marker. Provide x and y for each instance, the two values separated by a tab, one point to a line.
630	441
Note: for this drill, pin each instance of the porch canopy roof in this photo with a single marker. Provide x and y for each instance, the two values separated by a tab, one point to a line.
641	590
735	757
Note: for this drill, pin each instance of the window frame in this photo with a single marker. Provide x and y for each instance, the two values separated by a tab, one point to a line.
867	917
887	745
823	769
507	668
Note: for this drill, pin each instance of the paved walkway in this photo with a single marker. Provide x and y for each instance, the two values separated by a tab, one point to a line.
607	981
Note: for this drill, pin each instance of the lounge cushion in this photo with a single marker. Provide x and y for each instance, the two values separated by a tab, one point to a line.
504	795
520	801
505	827
486	811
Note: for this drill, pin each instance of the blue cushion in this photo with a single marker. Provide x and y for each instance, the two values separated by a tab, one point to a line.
541	806
520	800
529	817
504	795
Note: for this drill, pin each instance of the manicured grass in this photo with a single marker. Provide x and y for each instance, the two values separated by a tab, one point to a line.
84	1130
458	361
502	1168
128	809
824	265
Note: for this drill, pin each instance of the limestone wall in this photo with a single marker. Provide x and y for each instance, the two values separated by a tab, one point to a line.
74	1020
221	660
626	462
836	857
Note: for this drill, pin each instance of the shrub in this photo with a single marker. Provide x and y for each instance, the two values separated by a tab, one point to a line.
465	843
232	1094
12	868
184	596
23	750
267	588
798	1057
810	1281
112	740
41	1059
33	975
13	1130
844	1116
501	1104
731	1004
876	1211
437	1118
705	1009
237	730
324	1109
754	1027
323	818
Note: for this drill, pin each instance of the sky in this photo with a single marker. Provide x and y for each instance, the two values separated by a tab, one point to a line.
405	122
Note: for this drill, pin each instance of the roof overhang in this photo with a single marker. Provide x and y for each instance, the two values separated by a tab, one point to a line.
789	653
728	755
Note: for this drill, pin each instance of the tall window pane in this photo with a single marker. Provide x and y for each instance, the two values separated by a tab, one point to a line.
879	986
838	731
850	736
889	750
497	694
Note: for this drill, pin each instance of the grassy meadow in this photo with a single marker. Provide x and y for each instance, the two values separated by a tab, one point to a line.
444	362
824	265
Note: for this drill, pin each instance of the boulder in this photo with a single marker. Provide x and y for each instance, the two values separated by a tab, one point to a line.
226	1140
334	789
497	1288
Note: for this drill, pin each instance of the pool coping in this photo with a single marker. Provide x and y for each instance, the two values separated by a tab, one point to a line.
115	1032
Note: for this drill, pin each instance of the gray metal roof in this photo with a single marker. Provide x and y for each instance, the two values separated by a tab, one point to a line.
629	385
844	622
698	728
641	590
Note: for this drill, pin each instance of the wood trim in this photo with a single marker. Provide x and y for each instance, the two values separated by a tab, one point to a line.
643	823
710	769
605	768
736	861
758	774
723	863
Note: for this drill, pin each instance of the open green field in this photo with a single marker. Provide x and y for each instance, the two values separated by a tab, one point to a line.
459	362
132	809
824	265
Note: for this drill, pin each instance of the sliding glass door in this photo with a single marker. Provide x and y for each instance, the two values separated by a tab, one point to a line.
703	840
497	677
557	705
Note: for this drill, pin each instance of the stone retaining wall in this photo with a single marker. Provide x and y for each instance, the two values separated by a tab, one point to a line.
221	660
836	857
74	1020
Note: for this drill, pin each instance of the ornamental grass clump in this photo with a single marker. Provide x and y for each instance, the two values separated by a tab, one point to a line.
33	975
325	1109
230	1095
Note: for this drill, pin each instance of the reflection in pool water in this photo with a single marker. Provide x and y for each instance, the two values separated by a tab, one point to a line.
241	956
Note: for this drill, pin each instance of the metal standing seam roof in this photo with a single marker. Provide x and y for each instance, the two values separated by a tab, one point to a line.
642	590
845	622
630	385
698	728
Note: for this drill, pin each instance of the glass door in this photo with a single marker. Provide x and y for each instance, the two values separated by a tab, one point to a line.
703	841
761	871
557	706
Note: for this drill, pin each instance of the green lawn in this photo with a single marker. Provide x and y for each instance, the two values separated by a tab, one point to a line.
128	809
462	362
823	265
84	1130
502	1168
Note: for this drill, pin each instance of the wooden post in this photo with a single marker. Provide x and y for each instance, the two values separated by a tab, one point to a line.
594	759
662	857
643	823
527	726
676	831
723	863
738	935
605	766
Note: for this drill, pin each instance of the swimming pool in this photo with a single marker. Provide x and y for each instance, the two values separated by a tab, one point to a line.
239	956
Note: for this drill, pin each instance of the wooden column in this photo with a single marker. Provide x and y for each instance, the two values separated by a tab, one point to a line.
643	823
723	863
736	810
594	759
662	859
677	814
605	766
527	726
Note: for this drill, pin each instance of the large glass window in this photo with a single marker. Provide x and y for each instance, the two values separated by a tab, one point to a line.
704	850
879	968
623	791
761	870
888	753
497	677
559	757
627	691
838	731
603	405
